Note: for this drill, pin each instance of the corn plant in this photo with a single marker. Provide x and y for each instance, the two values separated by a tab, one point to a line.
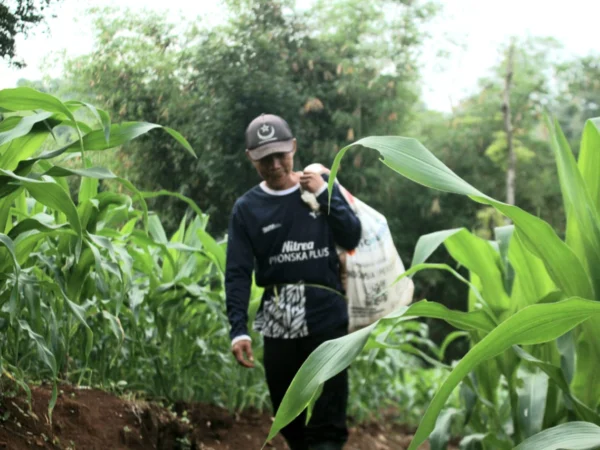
397	381
91	288
531	377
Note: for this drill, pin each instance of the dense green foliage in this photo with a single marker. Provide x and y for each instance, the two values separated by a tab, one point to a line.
334	86
533	316
102	291
94	291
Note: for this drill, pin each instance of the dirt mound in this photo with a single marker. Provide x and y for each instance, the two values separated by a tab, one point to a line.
91	419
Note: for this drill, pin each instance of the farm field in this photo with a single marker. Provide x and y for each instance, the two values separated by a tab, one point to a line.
118	180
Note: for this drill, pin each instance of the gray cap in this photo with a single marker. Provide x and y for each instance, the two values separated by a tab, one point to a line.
268	134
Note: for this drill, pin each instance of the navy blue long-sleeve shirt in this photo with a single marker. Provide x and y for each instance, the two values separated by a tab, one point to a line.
289	247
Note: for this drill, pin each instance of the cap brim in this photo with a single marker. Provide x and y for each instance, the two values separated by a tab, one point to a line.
270	148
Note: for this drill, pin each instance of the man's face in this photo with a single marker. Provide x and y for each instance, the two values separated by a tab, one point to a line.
276	168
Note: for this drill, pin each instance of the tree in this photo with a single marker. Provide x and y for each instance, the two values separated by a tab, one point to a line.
329	84
508	128
579	96
18	17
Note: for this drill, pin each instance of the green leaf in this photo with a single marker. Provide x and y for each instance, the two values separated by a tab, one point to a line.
479	257
44	353
441	434
5	208
181	197
22	148
179	138
532	325
22	128
102	116
558	377
52	195
532	282
589	160
429	243
449	339
10	246
214	250
334	356
99	173
28	99
532	402
577	196
586	383
329	359
571	435
79	313
504	236
156	230
87	190
484	313
140	198
412	160
426	246
39	222
123	133
117	329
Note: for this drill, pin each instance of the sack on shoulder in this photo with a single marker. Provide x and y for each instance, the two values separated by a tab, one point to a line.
372	268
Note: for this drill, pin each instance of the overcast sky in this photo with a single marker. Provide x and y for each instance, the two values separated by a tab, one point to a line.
479	26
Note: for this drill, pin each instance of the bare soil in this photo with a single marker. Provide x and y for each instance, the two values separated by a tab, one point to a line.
90	419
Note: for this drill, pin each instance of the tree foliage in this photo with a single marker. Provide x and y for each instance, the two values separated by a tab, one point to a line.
332	84
18	17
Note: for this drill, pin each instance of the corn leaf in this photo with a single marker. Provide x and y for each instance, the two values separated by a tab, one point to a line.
8	243
479	257
531	279
213	250
412	160
192	204
334	356
22	148
581	208
557	375
441	434
429	243
589	160
100	115
532	402
52	195
28	99
572	436
44	353
120	134
99	173
532	325
23	125
39	222
535	324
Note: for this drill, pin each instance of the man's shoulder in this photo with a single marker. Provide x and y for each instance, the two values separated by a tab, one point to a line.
246	199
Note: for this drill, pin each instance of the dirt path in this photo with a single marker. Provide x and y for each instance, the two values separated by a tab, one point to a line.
95	420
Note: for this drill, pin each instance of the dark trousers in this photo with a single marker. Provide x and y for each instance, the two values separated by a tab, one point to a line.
282	359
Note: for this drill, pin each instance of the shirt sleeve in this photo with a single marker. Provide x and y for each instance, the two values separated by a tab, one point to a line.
238	275
342	219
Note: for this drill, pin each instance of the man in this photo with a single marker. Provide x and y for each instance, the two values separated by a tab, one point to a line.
292	250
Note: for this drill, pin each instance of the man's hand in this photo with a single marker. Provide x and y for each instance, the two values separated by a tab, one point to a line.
311	181
241	348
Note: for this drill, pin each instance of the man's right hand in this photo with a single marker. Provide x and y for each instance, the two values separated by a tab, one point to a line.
241	348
